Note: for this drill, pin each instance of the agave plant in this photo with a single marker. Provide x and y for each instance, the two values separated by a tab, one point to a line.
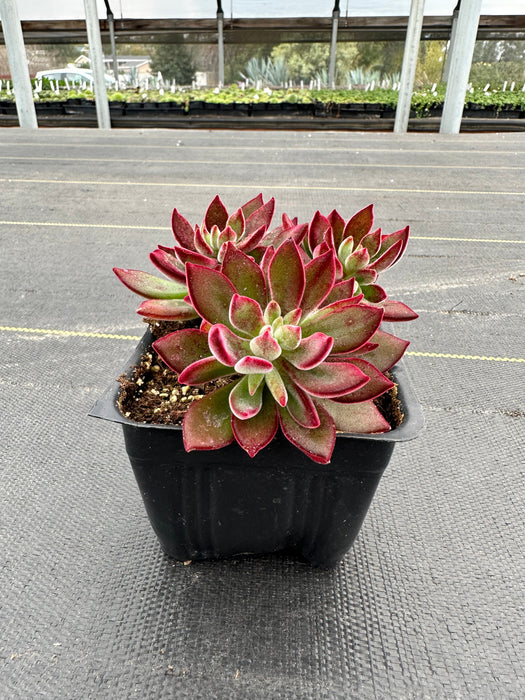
297	348
361	254
247	229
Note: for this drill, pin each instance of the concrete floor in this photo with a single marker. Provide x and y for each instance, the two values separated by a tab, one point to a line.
429	602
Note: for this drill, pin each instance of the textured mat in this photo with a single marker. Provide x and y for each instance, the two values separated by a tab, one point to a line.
428	603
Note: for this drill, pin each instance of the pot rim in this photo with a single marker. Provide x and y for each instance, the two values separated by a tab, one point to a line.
413	423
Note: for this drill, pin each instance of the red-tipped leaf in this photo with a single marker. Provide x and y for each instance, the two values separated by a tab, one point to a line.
210	292
356	418
319	280
287	279
329	379
311	351
390	349
360	224
317	443
216	214
245	315
377	385
226	347
243	404
349	324
182	230
244	273
167	263
167	310
202	371
256	433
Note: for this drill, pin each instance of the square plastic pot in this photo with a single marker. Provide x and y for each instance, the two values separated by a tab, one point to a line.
221	503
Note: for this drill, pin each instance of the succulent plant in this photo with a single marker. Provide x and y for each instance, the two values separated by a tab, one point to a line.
247	229
361	254
300	348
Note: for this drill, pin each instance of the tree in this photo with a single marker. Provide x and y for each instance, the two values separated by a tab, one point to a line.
175	62
307	61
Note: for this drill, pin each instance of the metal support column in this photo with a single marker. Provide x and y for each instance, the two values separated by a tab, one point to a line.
408	70
452	41
333	45
460	62
97	64
111	23
220	39
17	58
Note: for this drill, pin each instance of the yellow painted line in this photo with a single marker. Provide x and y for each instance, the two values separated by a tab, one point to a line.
115	336
167	228
201	185
469	240
465	357
81	334
70	225
295	145
186	161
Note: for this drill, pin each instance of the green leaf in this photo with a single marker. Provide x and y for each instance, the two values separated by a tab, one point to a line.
182	348
207	423
150	286
210	292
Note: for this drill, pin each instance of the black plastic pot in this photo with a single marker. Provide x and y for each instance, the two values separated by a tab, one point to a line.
220	503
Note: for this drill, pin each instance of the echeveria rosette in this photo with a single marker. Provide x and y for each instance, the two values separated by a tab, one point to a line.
247	229
293	349
361	254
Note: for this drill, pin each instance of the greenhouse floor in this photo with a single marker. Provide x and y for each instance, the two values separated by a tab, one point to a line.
429	601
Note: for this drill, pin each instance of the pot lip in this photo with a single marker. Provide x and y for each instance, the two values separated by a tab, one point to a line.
106	406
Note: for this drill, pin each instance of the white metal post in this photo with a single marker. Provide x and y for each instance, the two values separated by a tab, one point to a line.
460	62
220	39
17	58
408	70
333	45
452	41
97	64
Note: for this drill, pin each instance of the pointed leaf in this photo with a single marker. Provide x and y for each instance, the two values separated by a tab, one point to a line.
191	256
356	417
329	379
244	273
150	286
249	243
236	222
288	336
317	230
167	310
252	205
216	214
372	242
202	371
265	345
272	312
390	349
227	347
287	279
360	224
341	290
243	404
182	348
388	240
260	217
349	324
311	351
257	432
275	384
167	263
319	280
300	405
207	422
356	261
182	230
377	385
397	311
388	258
337	224
317	443
210	292
201	245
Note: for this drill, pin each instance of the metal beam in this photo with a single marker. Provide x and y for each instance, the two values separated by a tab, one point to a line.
333	45
111	22
460	63
408	70
97	64
17	58
220	42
